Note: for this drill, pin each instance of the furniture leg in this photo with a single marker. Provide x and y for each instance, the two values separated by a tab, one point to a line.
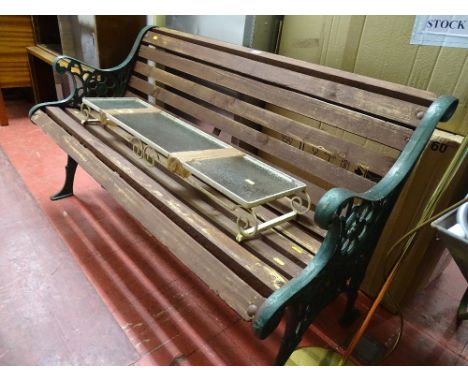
67	189
350	313
291	336
462	313
3	111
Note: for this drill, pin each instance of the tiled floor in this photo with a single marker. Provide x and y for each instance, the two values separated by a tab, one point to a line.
167	313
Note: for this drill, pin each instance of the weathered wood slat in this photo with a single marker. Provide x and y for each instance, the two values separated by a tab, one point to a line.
387	133
233	290
331	174
286	250
315	192
371	103
221	245
281	261
377	163
419	96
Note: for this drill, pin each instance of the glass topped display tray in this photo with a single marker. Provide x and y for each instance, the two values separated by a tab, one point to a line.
158	136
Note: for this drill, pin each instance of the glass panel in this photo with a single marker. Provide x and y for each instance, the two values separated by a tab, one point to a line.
242	178
250	180
168	133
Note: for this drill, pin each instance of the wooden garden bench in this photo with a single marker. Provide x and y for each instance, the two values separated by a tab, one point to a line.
340	133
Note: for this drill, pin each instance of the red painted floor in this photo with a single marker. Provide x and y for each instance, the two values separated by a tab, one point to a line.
168	314
49	312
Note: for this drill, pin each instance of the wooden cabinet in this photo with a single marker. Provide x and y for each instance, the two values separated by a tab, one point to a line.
16	33
99	40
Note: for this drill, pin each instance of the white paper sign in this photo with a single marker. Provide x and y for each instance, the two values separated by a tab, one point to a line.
450	31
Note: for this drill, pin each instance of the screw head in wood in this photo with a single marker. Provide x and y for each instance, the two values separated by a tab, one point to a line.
419	114
252	310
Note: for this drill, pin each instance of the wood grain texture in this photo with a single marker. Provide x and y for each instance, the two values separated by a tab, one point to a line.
387	133
42	53
267	119
282	248
378	46
370	102
276	250
359	81
16	34
331	175
3	111
230	288
234	254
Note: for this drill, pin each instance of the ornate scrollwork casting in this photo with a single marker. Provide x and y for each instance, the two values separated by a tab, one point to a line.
145	152
358	220
92	82
353	232
304	310
138	147
247	219
297	203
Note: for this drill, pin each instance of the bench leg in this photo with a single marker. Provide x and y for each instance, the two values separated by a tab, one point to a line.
67	189
298	319
3	111
462	313
350	313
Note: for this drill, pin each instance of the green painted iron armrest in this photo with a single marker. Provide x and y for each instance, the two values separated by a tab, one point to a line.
89	81
354	222
441	110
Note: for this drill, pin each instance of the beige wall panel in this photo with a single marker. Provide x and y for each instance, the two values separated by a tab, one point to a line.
305	36
423	65
378	46
343	41
384	51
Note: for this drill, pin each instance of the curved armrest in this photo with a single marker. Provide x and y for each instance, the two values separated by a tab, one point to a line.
353	230
91	81
331	204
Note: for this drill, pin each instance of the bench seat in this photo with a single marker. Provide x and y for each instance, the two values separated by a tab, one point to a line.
257	266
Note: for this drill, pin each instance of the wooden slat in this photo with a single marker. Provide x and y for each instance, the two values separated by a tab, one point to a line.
275	259
378	163
331	174
358	99
279	258
16	34
42	53
272	257
237	256
278	251
387	133
411	94
233	290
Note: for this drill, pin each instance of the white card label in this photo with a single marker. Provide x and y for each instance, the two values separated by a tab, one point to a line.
449	31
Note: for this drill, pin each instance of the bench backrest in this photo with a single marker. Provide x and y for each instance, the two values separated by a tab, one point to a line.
332	128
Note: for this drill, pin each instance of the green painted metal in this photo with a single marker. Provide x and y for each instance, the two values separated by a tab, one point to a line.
354	222
89	81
